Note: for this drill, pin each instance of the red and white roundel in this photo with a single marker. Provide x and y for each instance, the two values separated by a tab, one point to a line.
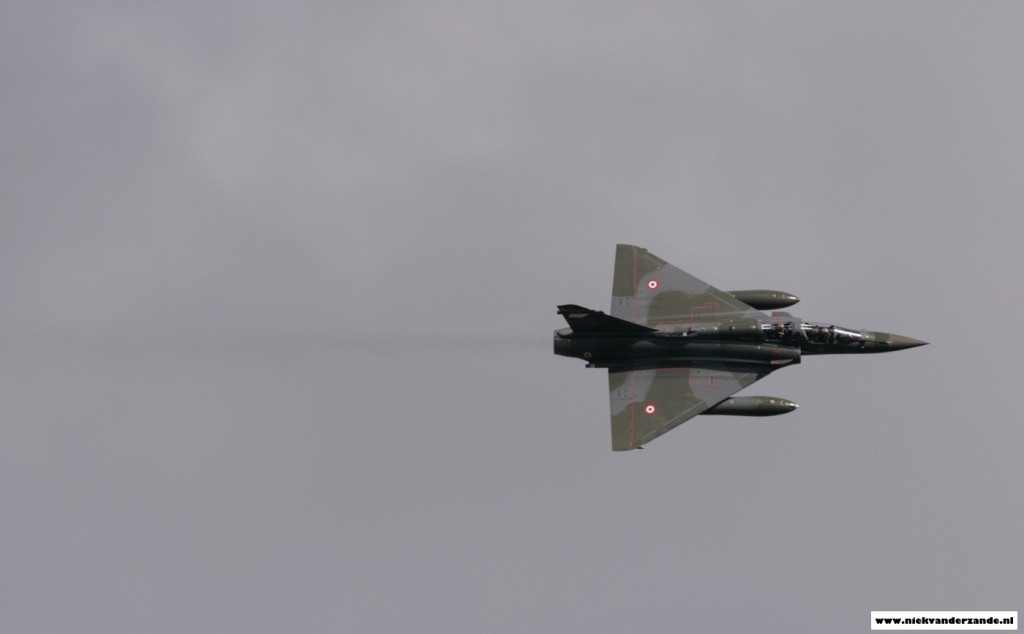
653	284
650	409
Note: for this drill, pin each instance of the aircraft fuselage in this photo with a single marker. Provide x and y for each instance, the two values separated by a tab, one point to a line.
746	341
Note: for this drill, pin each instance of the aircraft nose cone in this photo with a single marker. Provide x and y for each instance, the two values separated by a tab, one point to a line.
897	342
886	342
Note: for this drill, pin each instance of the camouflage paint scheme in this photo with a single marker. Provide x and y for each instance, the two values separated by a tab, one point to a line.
676	347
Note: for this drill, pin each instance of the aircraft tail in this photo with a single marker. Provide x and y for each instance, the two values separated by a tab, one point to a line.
588	321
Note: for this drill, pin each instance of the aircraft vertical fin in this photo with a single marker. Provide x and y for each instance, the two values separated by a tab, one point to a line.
588	321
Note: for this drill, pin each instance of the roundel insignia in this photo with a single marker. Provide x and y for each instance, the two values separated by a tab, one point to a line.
653	284
650	409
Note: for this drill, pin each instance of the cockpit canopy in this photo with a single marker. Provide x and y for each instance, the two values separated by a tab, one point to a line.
779	331
824	333
810	332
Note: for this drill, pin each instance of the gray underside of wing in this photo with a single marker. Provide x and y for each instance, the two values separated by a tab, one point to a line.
647	403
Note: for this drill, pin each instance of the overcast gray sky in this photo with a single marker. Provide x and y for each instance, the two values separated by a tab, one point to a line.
278	281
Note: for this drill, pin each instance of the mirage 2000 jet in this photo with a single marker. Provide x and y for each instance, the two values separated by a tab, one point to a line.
676	347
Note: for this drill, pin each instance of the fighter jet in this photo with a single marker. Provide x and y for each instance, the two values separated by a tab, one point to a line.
676	347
